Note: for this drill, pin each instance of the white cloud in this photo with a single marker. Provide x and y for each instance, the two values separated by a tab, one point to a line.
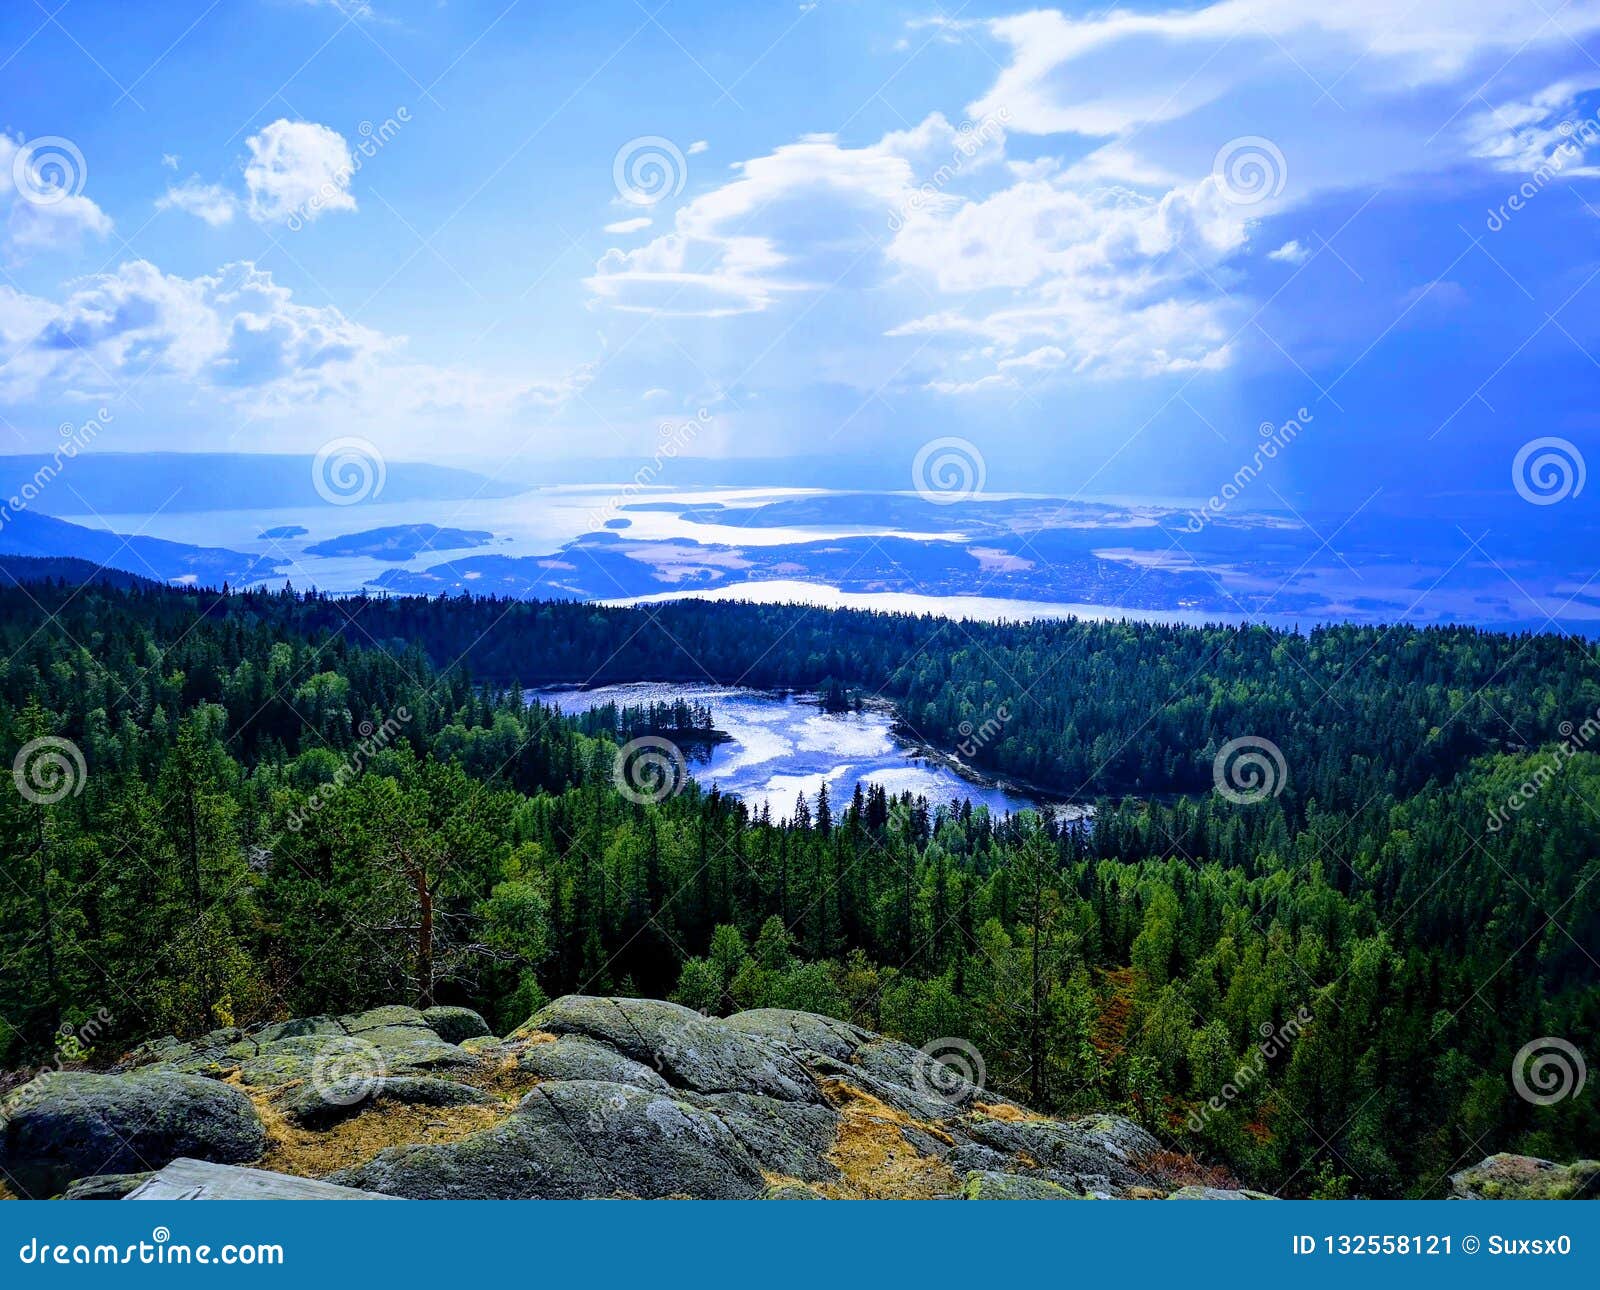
1543	133
814	210
298	170
1118	70
1109	248
240	336
209	202
629	225
697	147
49	213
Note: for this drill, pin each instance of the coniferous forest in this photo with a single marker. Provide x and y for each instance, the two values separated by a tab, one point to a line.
267	805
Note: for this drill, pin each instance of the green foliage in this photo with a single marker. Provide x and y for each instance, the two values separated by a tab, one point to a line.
285	814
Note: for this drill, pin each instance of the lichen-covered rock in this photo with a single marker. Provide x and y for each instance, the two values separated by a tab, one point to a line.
1218	1193
296	1029
690	1051
789	1138
455	1024
74	1124
1073	1157
574	1058
105	1186
804	1032
637	1097
394	1014
789	1191
321	1105
1508	1177
987	1184
572	1141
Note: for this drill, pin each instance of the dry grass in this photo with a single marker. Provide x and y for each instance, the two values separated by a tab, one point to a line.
1177	1170
874	1158
1011	1114
309	1153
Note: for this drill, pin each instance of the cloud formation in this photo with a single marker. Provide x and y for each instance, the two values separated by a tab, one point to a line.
298	169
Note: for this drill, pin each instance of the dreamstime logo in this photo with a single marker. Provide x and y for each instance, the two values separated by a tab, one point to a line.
1249	770
374	138
613	1106
348	470
74	439
954	1067
347	1071
650	769
1548	470
48	170
1553	1067
374	739
1274	439
948	470
48	769
675	437
648	170
1249	170
976	737
1275	1041
973	138
1573	740
73	1044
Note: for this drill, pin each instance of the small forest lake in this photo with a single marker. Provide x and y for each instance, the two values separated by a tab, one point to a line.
780	744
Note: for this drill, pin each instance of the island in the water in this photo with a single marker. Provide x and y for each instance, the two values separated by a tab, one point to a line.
402	542
283	531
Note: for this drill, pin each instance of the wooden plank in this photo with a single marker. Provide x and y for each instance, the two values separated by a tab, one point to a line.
186	1179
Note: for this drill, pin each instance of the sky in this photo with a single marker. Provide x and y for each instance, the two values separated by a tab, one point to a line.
1106	247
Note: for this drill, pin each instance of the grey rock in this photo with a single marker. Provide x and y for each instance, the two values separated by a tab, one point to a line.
1510	1177
571	1141
394	1014
790	1191
987	1184
76	1123
1059	1148
574	1058
802	1031
297	1029
455	1024
691	1051
910	1068
1217	1193
317	1107
791	1138
105	1186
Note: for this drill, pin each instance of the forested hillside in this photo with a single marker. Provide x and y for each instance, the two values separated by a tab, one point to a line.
269	806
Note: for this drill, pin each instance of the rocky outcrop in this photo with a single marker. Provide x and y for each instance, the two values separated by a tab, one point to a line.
1506	1177
591	1097
74	1124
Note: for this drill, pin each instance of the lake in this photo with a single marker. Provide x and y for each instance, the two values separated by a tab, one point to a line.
781	745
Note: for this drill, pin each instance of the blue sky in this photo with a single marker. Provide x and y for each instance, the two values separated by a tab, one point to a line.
1105	246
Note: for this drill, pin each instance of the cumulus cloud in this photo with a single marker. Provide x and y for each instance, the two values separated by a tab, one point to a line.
209	202
1543	133
298	169
48	211
1113	243
241	336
